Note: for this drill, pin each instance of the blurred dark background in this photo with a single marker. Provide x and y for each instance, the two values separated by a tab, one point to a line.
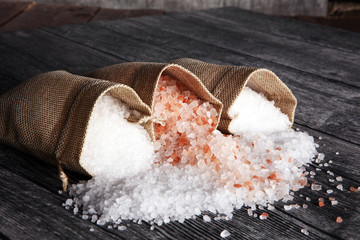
17	15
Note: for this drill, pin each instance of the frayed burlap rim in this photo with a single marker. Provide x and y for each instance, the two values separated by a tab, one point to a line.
47	116
226	82
143	77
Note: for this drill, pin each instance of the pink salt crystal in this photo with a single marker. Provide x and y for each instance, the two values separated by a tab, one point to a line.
316	187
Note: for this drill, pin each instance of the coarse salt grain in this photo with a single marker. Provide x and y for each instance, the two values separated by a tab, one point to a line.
339	178
304	231
206	218
225	233
316	187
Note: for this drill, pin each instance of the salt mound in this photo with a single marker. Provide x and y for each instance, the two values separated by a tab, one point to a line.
197	168
113	146
252	112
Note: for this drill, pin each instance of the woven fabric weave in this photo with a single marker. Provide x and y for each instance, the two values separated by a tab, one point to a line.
226	82
47	115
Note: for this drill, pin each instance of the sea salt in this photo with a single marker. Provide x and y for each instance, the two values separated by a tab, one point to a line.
339	178
206	218
252	112
113	146
340	187
316	187
304	231
225	233
191	167
329	191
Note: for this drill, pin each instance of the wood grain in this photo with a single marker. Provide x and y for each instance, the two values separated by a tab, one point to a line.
45	15
9	10
114	14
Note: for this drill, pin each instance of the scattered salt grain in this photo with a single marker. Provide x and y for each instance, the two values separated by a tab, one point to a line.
339	178
152	227
60	192
316	187
92	229
287	207
225	233
331	180
326	164
337	153
308	199
206	218
340	187
305	206
329	191
339	220
330	173
334	202
122	228
304	231
320	138
69	202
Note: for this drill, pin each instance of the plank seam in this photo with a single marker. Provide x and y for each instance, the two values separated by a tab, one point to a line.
28	7
94	14
240	53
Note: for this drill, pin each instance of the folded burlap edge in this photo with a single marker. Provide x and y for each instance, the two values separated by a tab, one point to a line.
226	82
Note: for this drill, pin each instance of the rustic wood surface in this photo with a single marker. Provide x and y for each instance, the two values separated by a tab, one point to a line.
31	15
320	65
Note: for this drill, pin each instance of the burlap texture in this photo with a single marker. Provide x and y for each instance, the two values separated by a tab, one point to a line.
47	115
226	82
144	76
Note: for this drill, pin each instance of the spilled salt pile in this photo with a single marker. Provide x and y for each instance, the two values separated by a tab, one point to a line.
113	146
197	168
251	112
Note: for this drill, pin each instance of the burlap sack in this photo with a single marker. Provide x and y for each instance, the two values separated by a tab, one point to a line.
227	82
144	76
47	116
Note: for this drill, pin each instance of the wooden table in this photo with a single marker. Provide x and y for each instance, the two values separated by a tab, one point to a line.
321	66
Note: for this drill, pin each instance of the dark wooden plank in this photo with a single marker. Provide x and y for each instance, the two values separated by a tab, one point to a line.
113	14
287	28
319	60
45	15
9	10
30	212
327	100
25	54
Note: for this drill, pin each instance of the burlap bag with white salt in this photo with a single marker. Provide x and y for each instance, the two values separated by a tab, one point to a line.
226	82
144	76
47	116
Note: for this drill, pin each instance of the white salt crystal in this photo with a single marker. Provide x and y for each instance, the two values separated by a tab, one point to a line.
69	202
225	233
92	229
320	138
339	178
305	206
152	227
206	218
59	192
250	212
340	187
326	164
252	112
304	231
287	207
337	153
334	202
308	199
331	180
122	228
329	191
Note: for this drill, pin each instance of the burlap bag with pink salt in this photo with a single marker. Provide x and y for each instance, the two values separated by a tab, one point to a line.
226	82
47	116
144	76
